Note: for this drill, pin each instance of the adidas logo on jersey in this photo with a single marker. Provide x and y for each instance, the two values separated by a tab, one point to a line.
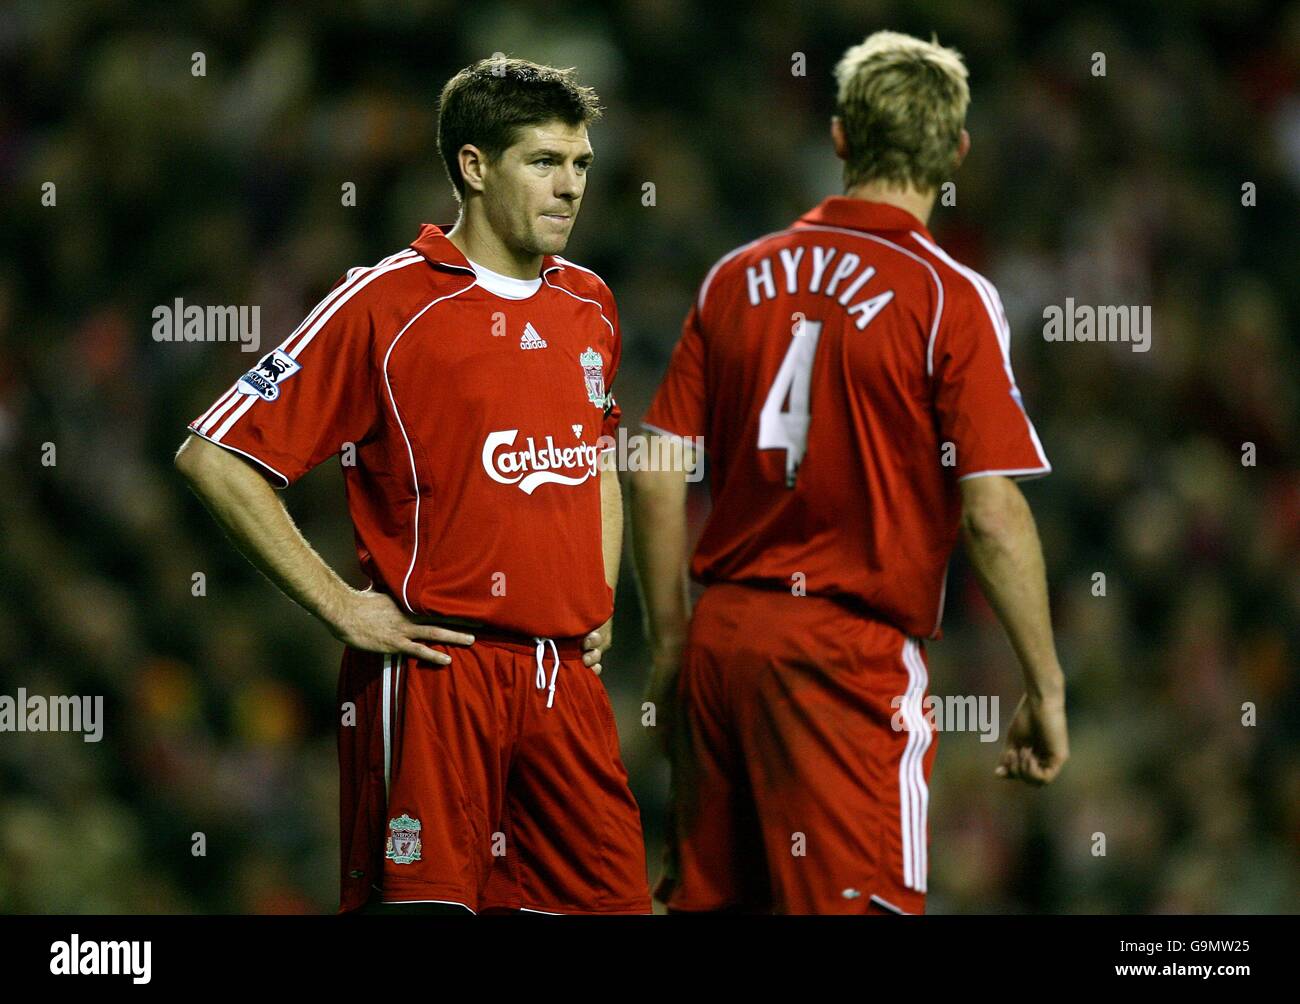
530	338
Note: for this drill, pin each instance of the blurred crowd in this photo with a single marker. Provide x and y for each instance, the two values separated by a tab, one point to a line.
1171	181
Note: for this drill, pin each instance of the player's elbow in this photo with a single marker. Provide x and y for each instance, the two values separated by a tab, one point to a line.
992	507
656	487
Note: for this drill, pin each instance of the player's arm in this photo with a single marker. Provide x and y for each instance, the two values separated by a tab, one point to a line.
659	551
659	545
1002	542
255	519
611	543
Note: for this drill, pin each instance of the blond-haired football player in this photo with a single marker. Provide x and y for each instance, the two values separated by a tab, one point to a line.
852	384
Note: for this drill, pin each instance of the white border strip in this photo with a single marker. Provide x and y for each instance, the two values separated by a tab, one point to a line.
415	476
208	419
914	796
235	449
880	901
1020	474
988	295
388	724
594	303
938	284
446	902
317	320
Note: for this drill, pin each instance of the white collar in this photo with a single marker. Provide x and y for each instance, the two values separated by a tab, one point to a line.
505	285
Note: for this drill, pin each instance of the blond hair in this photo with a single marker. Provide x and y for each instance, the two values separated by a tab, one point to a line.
903	105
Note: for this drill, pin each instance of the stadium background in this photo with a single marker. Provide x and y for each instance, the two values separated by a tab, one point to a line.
225	189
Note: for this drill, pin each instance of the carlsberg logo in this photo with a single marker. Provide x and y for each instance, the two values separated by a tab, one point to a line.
534	466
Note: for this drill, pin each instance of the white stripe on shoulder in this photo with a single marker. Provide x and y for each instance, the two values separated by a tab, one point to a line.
310	328
585	299
574	264
988	295
400	260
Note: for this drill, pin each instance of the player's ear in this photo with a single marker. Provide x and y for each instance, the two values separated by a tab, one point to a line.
963	147
838	138
472	164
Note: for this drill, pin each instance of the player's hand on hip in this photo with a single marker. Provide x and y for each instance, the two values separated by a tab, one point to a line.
1037	741
596	644
373	622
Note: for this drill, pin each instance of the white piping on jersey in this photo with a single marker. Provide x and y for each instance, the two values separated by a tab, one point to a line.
311	325
573	264
583	298
415	476
913	796
885	904
387	722
360	282
938	284
208	418
257	460
402	902
1020	474
803	228
540	678
988	295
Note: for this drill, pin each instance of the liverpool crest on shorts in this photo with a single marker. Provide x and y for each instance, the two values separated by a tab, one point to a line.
403	840
593	372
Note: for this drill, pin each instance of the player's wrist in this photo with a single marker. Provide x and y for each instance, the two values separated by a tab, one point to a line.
666	642
336	608
1046	688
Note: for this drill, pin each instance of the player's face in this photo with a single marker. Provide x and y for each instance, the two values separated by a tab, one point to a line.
532	193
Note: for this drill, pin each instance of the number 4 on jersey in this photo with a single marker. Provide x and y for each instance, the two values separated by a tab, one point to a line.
782	424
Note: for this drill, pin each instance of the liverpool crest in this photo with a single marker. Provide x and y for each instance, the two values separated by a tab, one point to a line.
403	840
593	372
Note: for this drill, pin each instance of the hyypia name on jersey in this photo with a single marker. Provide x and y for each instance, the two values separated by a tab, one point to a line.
762	282
543	463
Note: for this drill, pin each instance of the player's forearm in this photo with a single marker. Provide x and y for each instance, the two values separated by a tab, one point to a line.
1008	561
254	518
659	552
611	520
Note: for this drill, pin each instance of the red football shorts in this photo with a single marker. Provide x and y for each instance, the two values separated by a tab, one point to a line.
494	783
793	791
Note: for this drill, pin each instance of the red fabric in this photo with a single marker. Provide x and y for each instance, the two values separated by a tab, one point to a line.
427	375
909	357
519	805
788	775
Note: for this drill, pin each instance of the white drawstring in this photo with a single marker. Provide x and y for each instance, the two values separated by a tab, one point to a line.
541	669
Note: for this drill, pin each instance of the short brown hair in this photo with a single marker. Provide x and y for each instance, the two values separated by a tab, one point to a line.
903	104
486	104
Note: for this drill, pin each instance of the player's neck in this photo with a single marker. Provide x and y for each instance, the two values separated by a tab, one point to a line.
919	204
477	241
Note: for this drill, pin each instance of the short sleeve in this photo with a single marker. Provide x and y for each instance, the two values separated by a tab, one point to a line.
302	402
679	406
979	406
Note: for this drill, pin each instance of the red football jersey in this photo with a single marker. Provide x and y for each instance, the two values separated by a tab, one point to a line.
476	420
845	374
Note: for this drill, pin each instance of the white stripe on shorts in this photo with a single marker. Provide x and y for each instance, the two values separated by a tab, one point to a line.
913	796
